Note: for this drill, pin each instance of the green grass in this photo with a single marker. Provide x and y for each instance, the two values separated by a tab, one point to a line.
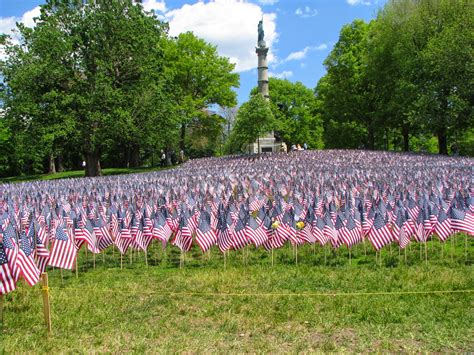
163	307
77	174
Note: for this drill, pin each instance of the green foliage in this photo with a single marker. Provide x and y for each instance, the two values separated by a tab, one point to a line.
204	136
408	73
105	77
293	106
162	308
254	119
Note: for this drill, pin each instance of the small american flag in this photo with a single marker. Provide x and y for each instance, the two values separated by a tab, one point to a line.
380	235
63	251
26	262
7	280
462	221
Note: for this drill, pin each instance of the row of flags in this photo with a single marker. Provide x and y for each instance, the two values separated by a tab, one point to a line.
340	198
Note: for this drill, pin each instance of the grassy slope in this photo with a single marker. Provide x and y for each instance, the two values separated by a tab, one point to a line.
76	174
108	309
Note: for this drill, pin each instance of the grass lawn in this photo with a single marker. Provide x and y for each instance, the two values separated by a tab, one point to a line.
77	174
204	307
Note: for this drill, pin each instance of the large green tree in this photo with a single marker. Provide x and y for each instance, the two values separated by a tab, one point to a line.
293	106
254	119
199	78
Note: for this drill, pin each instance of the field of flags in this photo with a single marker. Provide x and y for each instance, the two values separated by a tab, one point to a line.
336	197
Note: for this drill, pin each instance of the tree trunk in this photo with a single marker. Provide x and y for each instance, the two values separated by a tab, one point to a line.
135	157
51	165
370	136
406	138
93	164
168	157
60	163
182	136
442	141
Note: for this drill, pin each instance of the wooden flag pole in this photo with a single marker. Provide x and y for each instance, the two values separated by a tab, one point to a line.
181	260
325	254
62	278
103	256
465	247
93	258
225	259
350	256
86	256
405	250
121	261
272	256
2	301
452	248
46	304
146	257
296	253
426	252
77	271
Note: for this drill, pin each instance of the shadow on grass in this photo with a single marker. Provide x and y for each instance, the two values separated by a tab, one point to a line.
79	173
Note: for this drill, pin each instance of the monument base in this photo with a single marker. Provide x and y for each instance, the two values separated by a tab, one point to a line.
267	144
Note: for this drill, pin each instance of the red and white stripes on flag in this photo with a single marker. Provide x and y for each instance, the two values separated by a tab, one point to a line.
64	251
7	280
380	234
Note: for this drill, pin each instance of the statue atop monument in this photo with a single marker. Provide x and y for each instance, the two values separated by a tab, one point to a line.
261	42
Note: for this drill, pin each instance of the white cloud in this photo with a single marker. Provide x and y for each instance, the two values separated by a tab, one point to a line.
268	2
8	26
283	75
361	2
231	25
307	12
298	55
156	5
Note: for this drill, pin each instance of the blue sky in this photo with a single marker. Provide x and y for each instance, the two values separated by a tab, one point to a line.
300	33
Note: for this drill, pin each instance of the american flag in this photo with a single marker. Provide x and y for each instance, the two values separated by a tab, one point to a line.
64	251
124	239
26	262
330	232
287	228
161	229
350	233
184	237
7	280
462	221
11	249
41	254
443	227
380	235
318	231
205	236
224	232
255	233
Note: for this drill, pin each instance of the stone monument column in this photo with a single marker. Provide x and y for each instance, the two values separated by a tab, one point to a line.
263	71
267	142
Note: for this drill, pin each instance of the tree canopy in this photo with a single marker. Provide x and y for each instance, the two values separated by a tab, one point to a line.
403	79
106	77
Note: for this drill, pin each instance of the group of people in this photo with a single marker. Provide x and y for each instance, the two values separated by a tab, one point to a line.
298	147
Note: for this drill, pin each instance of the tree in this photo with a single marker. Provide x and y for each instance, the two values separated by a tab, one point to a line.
199	78
254	119
293	106
83	71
